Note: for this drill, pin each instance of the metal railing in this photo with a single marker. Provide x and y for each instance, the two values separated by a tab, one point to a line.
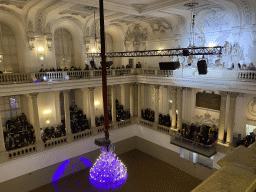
206	150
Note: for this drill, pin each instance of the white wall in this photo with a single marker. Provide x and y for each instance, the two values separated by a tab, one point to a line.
46	101
28	164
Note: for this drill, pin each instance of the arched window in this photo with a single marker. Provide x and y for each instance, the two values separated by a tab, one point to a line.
64	50
8	53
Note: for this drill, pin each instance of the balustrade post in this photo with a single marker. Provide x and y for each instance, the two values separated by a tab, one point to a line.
91	73
156	72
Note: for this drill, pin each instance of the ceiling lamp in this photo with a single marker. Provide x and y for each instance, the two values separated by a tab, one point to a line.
108	172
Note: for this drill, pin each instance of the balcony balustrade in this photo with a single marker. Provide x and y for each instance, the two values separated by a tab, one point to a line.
11	78
206	150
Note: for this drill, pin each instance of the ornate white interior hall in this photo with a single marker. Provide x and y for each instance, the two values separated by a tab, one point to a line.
47	80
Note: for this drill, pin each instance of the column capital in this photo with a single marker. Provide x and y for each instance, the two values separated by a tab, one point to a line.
173	89
180	88
223	93
157	86
232	95
33	94
91	88
65	91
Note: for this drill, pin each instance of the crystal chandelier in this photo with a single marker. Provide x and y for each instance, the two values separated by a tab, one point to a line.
108	172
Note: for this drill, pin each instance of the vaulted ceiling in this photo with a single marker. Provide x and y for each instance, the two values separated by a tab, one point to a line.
39	15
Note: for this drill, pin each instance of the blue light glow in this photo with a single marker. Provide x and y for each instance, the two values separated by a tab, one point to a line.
108	172
67	167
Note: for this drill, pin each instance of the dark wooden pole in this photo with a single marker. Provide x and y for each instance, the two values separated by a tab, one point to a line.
104	71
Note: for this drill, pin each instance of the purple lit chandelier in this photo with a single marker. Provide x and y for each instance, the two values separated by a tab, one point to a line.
108	173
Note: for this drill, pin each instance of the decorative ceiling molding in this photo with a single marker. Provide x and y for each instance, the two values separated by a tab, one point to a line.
139	7
17	3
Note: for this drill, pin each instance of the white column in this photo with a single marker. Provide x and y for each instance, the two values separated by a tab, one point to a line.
57	106
113	101
36	123
156	103
2	144
139	100
174	98
142	96
231	118
85	102
92	108
66	111
180	97
131	100
222	117
123	95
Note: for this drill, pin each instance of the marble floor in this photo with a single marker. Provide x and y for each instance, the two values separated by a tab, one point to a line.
145	173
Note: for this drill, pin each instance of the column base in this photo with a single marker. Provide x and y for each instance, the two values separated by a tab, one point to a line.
70	138
173	127
39	145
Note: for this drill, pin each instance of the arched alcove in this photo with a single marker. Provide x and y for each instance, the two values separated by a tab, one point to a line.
77	38
19	30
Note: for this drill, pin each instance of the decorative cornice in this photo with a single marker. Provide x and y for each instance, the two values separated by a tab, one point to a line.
223	93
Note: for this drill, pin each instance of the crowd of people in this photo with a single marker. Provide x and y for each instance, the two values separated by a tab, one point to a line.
165	120
53	132
247	141
19	133
148	114
121	114
100	121
244	67
202	135
78	121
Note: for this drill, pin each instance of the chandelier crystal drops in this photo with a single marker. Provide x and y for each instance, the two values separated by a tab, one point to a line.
108	172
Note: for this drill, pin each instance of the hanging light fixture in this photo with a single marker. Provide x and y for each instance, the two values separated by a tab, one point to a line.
108	172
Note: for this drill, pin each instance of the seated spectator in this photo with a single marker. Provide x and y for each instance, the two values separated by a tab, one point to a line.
65	69
41	70
212	129
178	134
209	142
244	67
251	67
59	69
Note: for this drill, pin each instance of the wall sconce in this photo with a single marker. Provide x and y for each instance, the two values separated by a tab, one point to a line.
41	50
31	42
170	101
47	111
47	121
1	58
49	41
93	50
96	103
